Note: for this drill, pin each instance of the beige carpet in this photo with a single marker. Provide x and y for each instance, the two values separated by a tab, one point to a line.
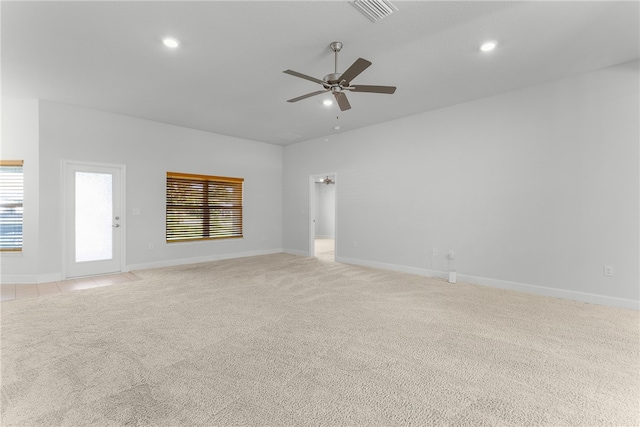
287	340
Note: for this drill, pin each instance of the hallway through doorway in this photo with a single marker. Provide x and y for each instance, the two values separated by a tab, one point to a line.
325	249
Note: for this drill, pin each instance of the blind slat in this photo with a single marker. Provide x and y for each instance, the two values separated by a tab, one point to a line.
11	205
203	207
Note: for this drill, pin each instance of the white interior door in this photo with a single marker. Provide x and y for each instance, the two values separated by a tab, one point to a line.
93	219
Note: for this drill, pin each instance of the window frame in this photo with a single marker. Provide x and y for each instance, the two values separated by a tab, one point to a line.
14	164
233	224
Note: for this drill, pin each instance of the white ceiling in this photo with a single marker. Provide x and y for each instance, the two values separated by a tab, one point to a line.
226	76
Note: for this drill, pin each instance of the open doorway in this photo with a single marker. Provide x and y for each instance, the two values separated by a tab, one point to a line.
322	221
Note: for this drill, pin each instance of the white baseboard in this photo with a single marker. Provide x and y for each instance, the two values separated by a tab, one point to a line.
393	267
195	260
482	281
295	252
20	279
55	277
503	284
30	279
553	292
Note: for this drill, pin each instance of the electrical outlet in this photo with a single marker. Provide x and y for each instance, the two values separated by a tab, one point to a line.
355	245
151	247
608	270
435	251
452	254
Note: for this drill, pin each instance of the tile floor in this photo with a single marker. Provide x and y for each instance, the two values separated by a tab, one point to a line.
12	292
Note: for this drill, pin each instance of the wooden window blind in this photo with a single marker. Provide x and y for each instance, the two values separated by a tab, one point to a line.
201	207
11	204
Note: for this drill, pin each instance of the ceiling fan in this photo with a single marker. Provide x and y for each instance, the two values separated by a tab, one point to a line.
338	83
327	181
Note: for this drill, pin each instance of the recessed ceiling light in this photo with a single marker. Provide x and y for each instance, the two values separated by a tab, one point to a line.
327	102
488	46
169	42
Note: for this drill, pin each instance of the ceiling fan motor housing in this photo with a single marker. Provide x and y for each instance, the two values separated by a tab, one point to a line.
332	78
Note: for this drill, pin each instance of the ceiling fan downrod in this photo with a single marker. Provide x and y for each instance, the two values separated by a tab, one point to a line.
336	47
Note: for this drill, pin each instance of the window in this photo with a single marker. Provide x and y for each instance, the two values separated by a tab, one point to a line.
11	212
203	207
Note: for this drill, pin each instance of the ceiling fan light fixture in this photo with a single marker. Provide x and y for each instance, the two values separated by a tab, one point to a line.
170	42
488	46
375	9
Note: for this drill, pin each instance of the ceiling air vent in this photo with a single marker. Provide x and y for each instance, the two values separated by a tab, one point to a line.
289	136
375	9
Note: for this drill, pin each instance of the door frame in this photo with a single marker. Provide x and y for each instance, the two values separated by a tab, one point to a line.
66	164
312	212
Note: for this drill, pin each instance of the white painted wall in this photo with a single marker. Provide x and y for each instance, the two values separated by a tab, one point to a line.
148	150
535	189
20	142
325	210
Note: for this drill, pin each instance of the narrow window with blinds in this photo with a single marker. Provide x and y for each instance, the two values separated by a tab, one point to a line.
11	210
201	207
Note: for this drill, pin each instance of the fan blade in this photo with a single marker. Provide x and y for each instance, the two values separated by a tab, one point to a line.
304	76
374	89
306	96
342	100
356	68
